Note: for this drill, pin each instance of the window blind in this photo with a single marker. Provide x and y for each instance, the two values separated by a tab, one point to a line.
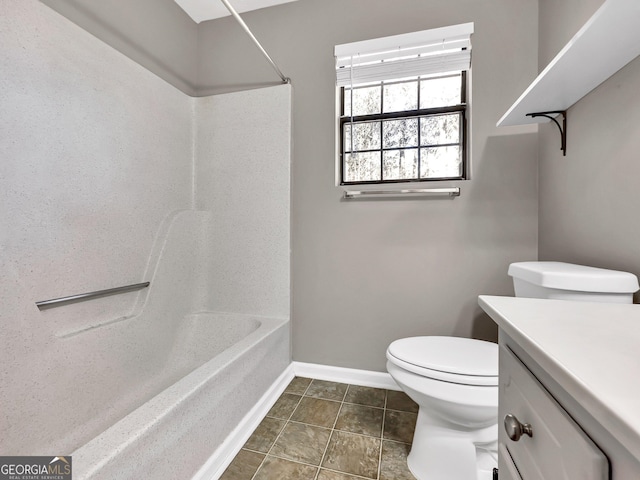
427	52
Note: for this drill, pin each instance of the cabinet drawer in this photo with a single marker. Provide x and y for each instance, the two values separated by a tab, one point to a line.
558	448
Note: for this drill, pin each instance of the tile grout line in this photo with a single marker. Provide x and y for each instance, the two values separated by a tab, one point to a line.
384	416
355	434
327	428
333	429
348	474
315	466
282	430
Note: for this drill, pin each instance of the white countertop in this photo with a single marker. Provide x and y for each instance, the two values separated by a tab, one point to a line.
591	349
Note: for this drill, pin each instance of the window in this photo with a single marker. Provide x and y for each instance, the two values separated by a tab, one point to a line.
403	110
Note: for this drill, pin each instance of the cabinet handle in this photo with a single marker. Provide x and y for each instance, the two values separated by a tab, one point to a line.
515	429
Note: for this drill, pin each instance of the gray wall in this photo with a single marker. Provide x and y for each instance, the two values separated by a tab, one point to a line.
368	272
589	199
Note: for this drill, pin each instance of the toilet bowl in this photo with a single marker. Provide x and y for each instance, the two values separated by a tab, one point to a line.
454	381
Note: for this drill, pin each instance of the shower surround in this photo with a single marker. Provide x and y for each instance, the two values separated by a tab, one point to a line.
110	177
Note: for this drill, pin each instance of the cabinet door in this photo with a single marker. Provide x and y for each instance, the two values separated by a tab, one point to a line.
558	448
508	470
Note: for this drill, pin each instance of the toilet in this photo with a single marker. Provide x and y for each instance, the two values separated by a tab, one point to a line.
454	380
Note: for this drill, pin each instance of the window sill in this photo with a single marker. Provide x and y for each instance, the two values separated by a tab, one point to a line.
409	189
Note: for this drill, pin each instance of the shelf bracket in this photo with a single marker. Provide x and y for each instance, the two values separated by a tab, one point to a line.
563	128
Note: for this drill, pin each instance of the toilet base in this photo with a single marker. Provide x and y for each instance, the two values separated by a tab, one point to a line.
486	462
441	452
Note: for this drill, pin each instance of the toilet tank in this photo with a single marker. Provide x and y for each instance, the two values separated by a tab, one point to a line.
566	281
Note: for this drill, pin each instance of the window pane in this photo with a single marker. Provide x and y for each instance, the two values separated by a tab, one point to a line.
440	129
362	167
400	133
400	164
400	96
346	137
440	92
366	136
440	162
366	101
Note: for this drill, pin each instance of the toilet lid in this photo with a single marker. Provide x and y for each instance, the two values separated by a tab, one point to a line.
449	355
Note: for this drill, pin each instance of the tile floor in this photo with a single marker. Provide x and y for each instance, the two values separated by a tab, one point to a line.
320	430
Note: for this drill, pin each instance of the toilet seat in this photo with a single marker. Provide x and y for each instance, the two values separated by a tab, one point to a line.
463	361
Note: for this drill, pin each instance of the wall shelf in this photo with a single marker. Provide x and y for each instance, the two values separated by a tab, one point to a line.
605	44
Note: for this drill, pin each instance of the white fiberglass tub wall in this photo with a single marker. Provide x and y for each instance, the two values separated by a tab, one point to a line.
100	162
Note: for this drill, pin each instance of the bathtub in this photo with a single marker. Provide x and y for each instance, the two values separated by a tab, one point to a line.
219	366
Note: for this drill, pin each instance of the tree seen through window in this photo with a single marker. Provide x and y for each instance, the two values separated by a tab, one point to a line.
404	130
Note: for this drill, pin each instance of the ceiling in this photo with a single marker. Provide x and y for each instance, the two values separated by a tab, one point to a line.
202	10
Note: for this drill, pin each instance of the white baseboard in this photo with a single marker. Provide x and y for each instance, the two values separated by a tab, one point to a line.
365	378
225	453
352	376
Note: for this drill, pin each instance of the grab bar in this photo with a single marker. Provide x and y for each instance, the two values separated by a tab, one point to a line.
87	296
448	191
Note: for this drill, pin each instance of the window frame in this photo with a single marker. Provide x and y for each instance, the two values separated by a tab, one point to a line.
460	108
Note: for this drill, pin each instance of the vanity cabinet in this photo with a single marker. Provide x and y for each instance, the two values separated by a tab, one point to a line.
569	383
538	440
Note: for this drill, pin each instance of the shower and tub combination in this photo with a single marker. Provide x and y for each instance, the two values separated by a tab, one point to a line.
114	177
181	373
210	333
